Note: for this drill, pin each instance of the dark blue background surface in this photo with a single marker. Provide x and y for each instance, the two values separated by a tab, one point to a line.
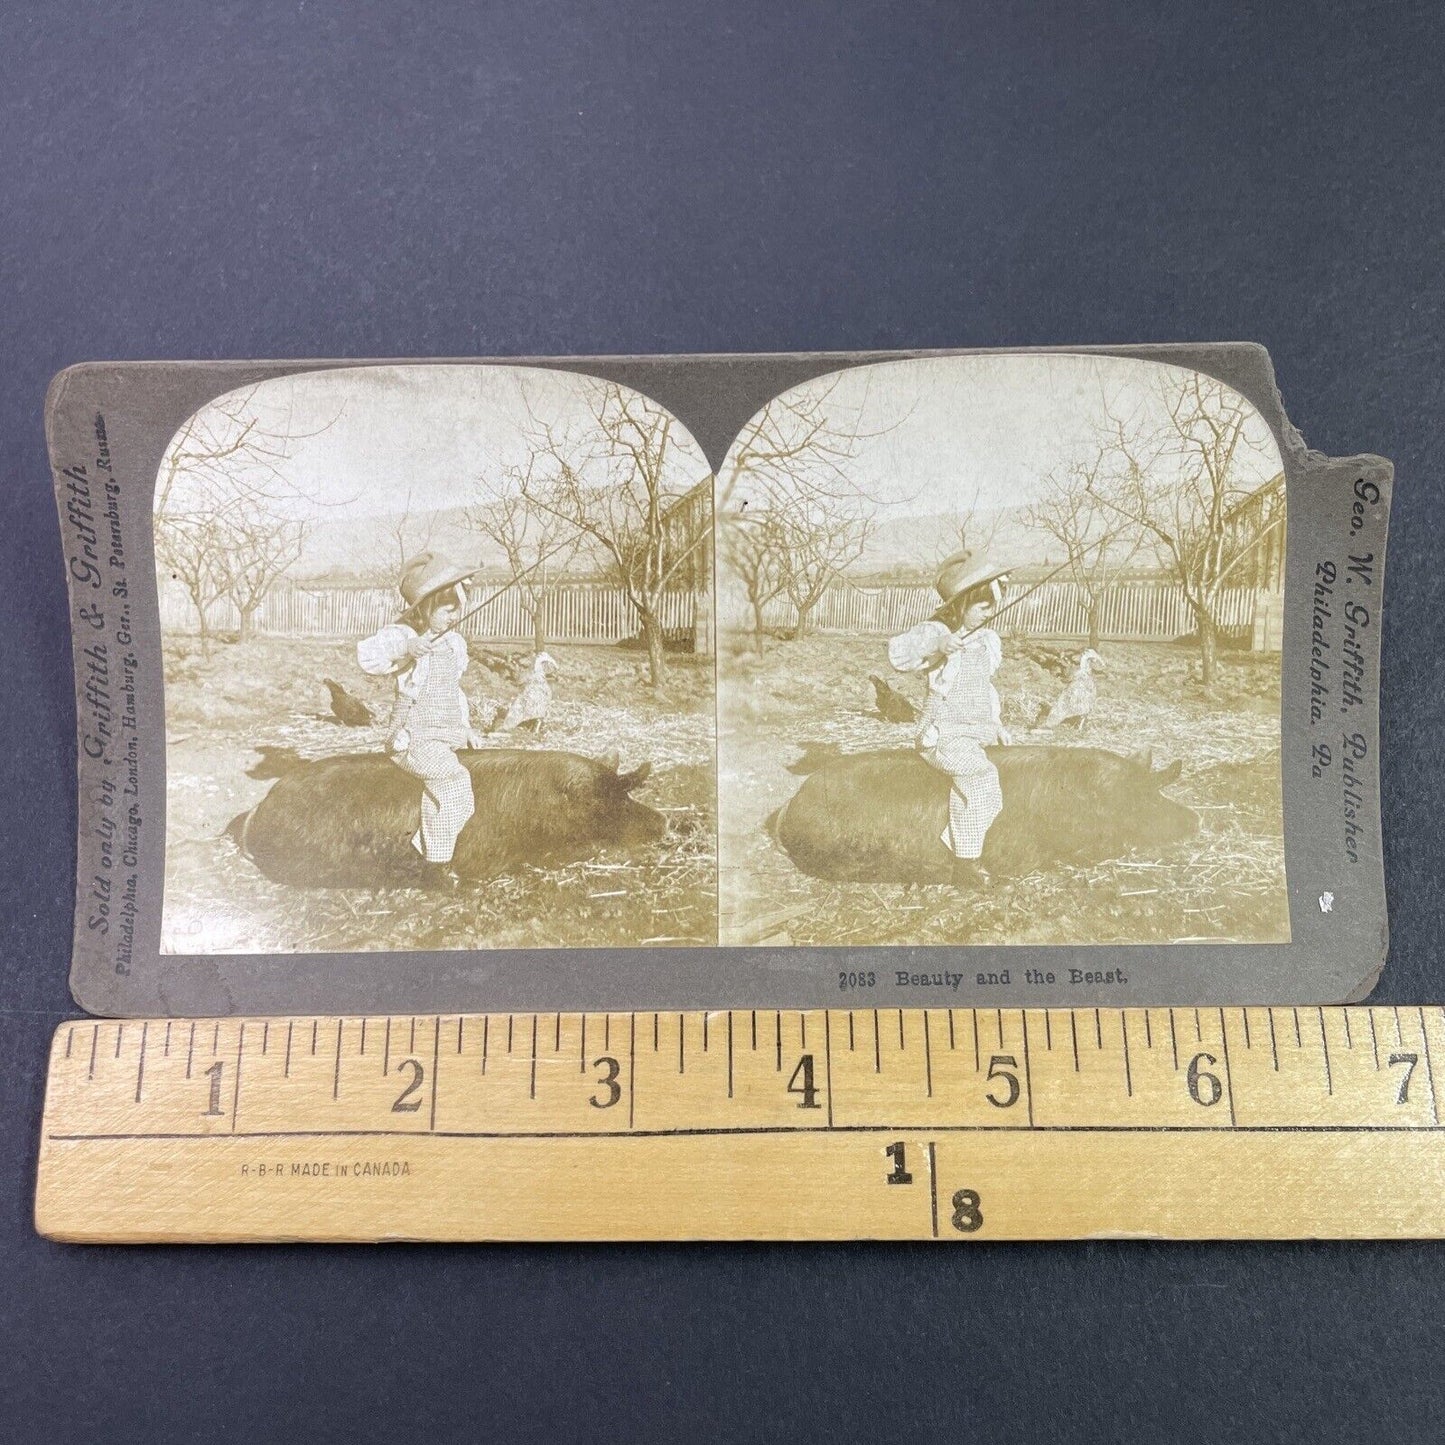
451	180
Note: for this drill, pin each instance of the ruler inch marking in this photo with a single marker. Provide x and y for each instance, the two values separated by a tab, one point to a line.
1074	1030
933	1183
532	1084
1128	1074
632	1068
286	1071
827	1061
730	1055
94	1042
120	1033
190	1051
1173	1041
1245	1014
486	1029
1028	1073
977	1058
140	1071
436	1054
1325	1047
1273	1041
1228	1067
927	1056
336	1075
877	1047
236	1088
1374	1039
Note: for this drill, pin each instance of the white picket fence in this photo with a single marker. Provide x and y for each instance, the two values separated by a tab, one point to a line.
577	612
1148	609
1143	610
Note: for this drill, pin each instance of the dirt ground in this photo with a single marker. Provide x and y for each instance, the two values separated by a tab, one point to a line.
268	692
1228	884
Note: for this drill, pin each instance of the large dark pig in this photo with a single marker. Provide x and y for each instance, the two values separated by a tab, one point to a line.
878	817
347	822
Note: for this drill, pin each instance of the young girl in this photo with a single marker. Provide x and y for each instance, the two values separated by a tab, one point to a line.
961	716
431	718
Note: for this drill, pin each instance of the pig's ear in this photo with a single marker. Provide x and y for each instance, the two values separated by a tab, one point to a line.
635	778
1164	776
611	761
1144	757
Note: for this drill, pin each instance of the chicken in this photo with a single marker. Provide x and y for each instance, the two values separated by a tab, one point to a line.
1076	701
528	710
892	705
350	711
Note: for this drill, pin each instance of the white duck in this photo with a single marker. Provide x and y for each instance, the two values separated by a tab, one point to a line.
1077	699
528	711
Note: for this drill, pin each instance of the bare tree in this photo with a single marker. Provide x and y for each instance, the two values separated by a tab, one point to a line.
757	555
221	505
1099	538
618	481
817	548
190	547
1183	481
403	534
795	513
537	544
258	548
971	528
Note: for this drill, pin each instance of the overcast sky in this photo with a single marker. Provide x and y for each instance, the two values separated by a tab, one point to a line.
931	433
938	429
364	436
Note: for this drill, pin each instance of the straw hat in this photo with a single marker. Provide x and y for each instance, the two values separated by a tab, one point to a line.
429	572
966	570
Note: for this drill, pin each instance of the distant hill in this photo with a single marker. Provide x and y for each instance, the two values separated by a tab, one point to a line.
917	544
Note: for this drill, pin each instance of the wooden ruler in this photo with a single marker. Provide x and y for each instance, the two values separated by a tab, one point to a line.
947	1124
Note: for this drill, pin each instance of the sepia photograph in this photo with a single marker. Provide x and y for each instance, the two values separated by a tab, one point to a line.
438	662
1000	658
